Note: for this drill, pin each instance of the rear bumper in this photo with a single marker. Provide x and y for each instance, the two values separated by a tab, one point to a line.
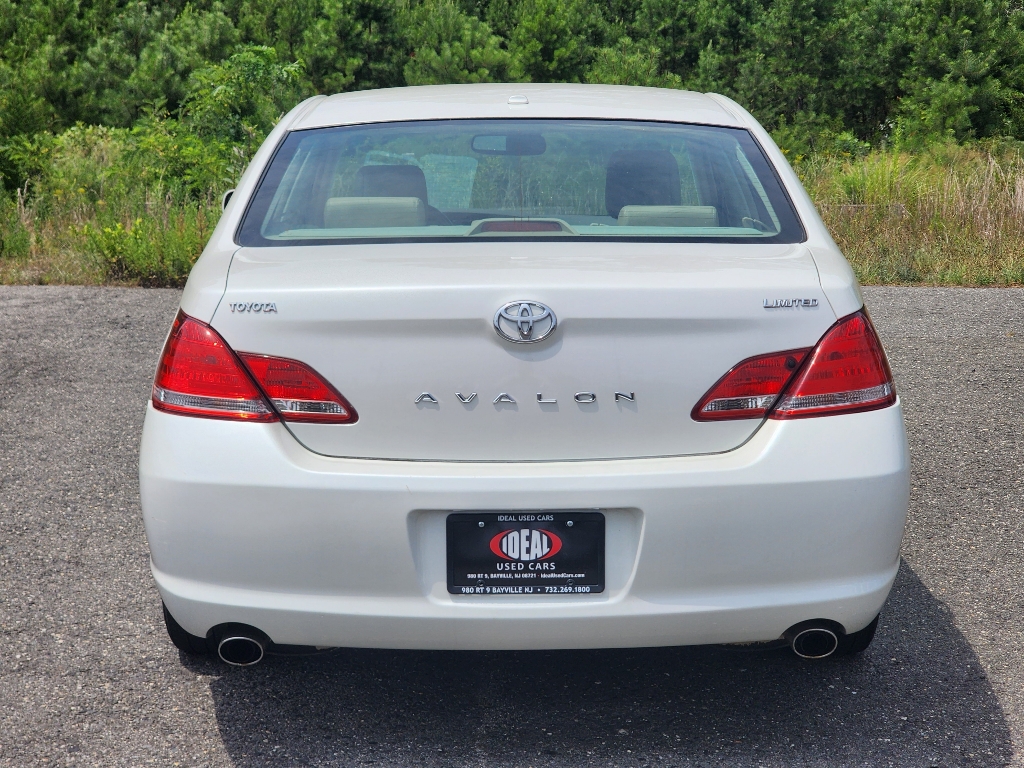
802	522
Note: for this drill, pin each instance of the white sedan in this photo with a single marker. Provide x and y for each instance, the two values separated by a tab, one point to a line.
522	367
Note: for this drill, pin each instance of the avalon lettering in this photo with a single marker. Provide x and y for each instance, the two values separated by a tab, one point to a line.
584	398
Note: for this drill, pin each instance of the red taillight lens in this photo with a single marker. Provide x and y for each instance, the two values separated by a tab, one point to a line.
199	375
298	392
846	372
750	388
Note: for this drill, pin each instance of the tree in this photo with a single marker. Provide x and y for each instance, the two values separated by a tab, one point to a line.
242	98
450	46
965	74
352	45
554	40
630	63
190	42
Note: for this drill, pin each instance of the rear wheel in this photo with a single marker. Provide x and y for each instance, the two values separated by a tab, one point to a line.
856	642
191	644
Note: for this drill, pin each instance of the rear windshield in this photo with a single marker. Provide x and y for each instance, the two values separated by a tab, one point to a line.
519	179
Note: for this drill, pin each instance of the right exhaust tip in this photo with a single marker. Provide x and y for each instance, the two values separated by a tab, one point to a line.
241	650
814	643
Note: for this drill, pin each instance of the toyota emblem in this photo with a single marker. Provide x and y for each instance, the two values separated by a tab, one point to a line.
524	322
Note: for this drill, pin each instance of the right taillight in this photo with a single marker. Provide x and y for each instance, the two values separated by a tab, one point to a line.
846	372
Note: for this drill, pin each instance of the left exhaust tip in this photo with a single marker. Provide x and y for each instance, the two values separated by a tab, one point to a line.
242	646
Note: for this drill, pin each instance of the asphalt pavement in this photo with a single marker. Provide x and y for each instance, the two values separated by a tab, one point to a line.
88	676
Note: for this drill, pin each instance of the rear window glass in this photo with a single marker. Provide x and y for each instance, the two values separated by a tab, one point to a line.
519	179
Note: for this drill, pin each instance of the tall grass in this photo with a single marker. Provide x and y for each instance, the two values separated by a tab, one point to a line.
948	215
112	206
150	241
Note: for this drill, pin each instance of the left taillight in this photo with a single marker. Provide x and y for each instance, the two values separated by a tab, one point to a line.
199	375
298	392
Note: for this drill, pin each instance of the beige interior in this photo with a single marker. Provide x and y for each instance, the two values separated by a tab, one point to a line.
668	216
345	212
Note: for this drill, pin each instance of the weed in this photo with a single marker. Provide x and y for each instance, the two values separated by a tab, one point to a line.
949	215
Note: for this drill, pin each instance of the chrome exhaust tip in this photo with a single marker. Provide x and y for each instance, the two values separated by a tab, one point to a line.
241	650
814	643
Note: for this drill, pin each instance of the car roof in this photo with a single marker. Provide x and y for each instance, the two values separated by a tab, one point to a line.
491	100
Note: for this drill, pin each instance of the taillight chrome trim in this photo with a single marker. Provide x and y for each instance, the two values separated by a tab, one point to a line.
881	395
753	403
296	409
184	404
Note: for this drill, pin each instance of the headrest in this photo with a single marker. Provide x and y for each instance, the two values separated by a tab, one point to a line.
344	212
641	177
668	216
391	181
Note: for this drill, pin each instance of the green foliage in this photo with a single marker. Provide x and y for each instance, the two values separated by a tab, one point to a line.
150	250
188	44
450	46
112	110
15	238
133	205
629	63
906	71
343	44
241	99
554	40
167	155
809	135
964	76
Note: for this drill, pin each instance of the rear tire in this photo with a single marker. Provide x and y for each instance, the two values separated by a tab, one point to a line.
857	642
183	641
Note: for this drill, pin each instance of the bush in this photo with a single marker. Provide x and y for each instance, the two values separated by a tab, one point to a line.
113	204
158	250
629	63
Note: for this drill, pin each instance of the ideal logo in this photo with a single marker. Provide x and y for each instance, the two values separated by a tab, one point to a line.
526	544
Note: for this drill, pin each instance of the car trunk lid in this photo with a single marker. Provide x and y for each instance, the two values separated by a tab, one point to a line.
406	333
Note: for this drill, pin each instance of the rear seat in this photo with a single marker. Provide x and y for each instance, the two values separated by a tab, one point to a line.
345	212
642	190
388	196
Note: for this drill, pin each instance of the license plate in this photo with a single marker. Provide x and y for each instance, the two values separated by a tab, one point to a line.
525	553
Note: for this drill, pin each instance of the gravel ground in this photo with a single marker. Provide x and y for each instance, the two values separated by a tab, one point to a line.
88	676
